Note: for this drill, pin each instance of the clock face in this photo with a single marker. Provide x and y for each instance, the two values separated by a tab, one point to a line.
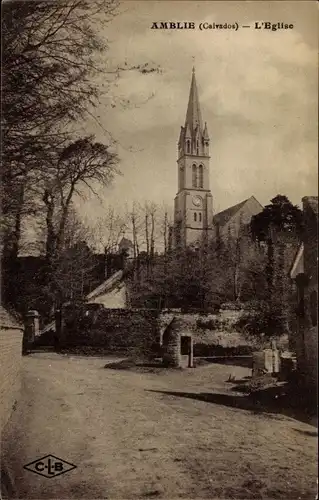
197	201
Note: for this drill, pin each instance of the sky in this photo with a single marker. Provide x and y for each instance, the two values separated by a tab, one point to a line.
258	93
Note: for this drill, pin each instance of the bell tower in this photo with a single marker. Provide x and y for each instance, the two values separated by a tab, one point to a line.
193	211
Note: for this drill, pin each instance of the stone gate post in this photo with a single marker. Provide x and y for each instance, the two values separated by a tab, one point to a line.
32	324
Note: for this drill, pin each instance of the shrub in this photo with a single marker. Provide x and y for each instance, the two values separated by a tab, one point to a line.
232	306
262	320
208	350
211	324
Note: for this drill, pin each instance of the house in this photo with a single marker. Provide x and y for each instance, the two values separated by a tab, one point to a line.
11	340
112	293
304	273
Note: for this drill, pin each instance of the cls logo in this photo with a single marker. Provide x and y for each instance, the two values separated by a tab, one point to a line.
49	466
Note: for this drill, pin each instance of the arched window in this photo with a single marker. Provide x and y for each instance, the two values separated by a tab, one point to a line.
200	176
188	146
194	176
197	148
195	216
200	217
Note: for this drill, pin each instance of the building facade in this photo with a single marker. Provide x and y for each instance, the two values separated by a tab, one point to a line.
304	272
193	208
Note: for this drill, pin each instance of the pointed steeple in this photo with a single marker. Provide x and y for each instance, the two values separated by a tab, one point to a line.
193	115
205	133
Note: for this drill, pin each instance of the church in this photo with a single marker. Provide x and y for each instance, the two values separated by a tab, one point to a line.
193	207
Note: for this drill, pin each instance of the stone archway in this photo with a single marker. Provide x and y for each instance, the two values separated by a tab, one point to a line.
177	345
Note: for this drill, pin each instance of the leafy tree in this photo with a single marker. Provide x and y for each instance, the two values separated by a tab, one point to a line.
279	216
50	55
264	320
79	165
76	269
279	226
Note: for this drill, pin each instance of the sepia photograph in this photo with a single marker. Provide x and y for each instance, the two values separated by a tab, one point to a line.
159	250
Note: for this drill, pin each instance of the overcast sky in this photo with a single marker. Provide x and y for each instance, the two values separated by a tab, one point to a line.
257	90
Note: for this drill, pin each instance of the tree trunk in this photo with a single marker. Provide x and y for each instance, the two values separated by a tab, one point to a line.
152	245
147	241
270	268
10	255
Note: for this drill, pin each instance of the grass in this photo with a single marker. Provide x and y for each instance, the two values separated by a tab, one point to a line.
139	366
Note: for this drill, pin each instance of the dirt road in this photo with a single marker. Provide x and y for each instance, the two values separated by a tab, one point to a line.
138	435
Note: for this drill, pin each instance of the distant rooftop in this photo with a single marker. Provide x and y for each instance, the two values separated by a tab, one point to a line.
126	243
312	202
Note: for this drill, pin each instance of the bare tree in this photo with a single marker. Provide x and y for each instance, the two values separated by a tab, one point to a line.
107	230
79	165
50	55
150	210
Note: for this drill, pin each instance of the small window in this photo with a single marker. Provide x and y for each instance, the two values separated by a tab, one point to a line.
200	217
188	147
195	216
197	148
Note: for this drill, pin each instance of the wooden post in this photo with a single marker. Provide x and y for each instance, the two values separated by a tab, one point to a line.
190	353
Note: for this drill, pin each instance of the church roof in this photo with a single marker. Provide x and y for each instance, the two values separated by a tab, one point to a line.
193	115
223	217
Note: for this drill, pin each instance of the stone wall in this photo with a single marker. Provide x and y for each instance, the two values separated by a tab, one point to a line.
310	207
216	330
177	344
11	337
125	331
306	341
140	332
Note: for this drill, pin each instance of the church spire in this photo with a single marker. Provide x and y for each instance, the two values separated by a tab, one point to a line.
193	115
193	203
193	139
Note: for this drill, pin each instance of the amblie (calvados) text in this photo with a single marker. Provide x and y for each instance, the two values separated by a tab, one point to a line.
189	25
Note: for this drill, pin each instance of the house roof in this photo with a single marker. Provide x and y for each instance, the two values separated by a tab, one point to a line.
297	265
106	286
7	320
115	298
126	243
